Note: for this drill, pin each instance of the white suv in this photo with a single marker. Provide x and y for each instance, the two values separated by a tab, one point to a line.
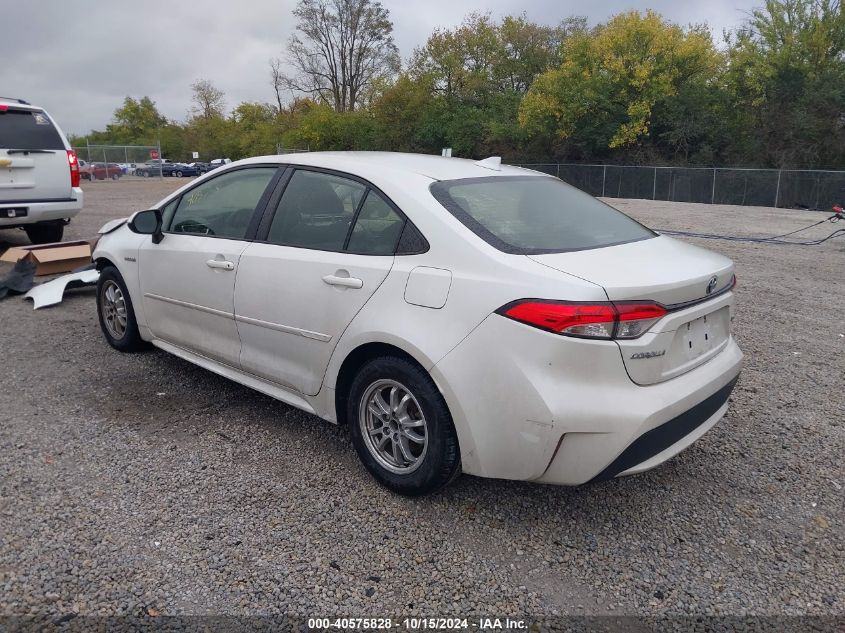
39	173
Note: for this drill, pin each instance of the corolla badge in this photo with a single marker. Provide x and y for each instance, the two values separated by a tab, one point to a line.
711	285
642	355
5	162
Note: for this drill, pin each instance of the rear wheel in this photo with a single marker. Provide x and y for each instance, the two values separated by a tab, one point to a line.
115	176
401	427
178	174
116	314
45	232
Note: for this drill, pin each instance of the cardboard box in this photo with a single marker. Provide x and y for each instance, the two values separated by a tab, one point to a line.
58	257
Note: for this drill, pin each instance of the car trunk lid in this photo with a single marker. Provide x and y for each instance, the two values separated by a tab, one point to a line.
677	275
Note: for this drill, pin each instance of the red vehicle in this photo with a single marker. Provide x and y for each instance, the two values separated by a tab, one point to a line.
101	171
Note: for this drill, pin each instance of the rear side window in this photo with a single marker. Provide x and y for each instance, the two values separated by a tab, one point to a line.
27	129
377	228
316	211
530	215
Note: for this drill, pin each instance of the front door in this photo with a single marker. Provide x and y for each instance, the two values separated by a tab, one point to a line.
188	279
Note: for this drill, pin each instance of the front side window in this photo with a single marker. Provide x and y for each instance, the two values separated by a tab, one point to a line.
316	211
167	212
535	214
222	206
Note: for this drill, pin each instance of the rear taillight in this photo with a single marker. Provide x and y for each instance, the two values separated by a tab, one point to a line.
595	320
587	320
636	318
74	168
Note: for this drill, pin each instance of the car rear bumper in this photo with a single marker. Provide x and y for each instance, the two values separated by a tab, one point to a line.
41	210
668	439
535	406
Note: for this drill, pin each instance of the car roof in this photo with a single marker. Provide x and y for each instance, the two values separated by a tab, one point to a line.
429	165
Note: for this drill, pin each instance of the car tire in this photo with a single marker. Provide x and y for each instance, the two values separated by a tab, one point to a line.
115	176
410	446
116	314
178	174
45	232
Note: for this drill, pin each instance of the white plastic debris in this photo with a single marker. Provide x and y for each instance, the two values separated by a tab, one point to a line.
53	291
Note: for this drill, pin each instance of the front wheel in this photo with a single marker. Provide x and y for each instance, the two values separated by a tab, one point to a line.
116	314
401	427
178	174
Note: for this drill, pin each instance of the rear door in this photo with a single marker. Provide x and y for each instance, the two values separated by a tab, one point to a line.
327	245
33	157
188	279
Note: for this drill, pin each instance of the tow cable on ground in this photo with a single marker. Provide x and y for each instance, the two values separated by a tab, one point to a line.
839	214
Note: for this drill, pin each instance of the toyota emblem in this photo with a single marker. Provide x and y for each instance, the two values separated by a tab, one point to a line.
711	285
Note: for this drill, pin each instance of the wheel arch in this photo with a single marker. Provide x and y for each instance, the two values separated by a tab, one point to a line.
356	359
103	260
102	263
342	380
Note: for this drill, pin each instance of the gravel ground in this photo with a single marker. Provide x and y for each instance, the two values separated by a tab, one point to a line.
134	484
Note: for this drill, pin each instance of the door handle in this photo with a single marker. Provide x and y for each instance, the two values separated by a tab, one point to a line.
345	282
221	264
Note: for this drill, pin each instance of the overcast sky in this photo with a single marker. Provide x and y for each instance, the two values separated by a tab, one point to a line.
79	60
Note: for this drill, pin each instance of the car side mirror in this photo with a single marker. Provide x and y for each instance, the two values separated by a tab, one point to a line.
148	223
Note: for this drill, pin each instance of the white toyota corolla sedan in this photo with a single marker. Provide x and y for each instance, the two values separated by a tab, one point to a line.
460	316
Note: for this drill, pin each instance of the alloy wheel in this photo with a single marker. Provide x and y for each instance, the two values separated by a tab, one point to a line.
114	309
393	426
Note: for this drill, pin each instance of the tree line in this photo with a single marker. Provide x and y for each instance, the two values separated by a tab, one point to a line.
635	89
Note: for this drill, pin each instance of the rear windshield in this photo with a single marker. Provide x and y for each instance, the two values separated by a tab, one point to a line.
27	129
530	215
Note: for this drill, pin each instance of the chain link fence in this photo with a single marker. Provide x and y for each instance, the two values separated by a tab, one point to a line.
113	162
805	189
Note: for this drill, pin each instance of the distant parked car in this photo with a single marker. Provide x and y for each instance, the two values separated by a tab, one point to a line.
152	167
166	168
101	171
181	169
201	167
219	162
128	169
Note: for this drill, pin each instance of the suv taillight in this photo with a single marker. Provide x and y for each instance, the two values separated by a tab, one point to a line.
587	320
74	168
